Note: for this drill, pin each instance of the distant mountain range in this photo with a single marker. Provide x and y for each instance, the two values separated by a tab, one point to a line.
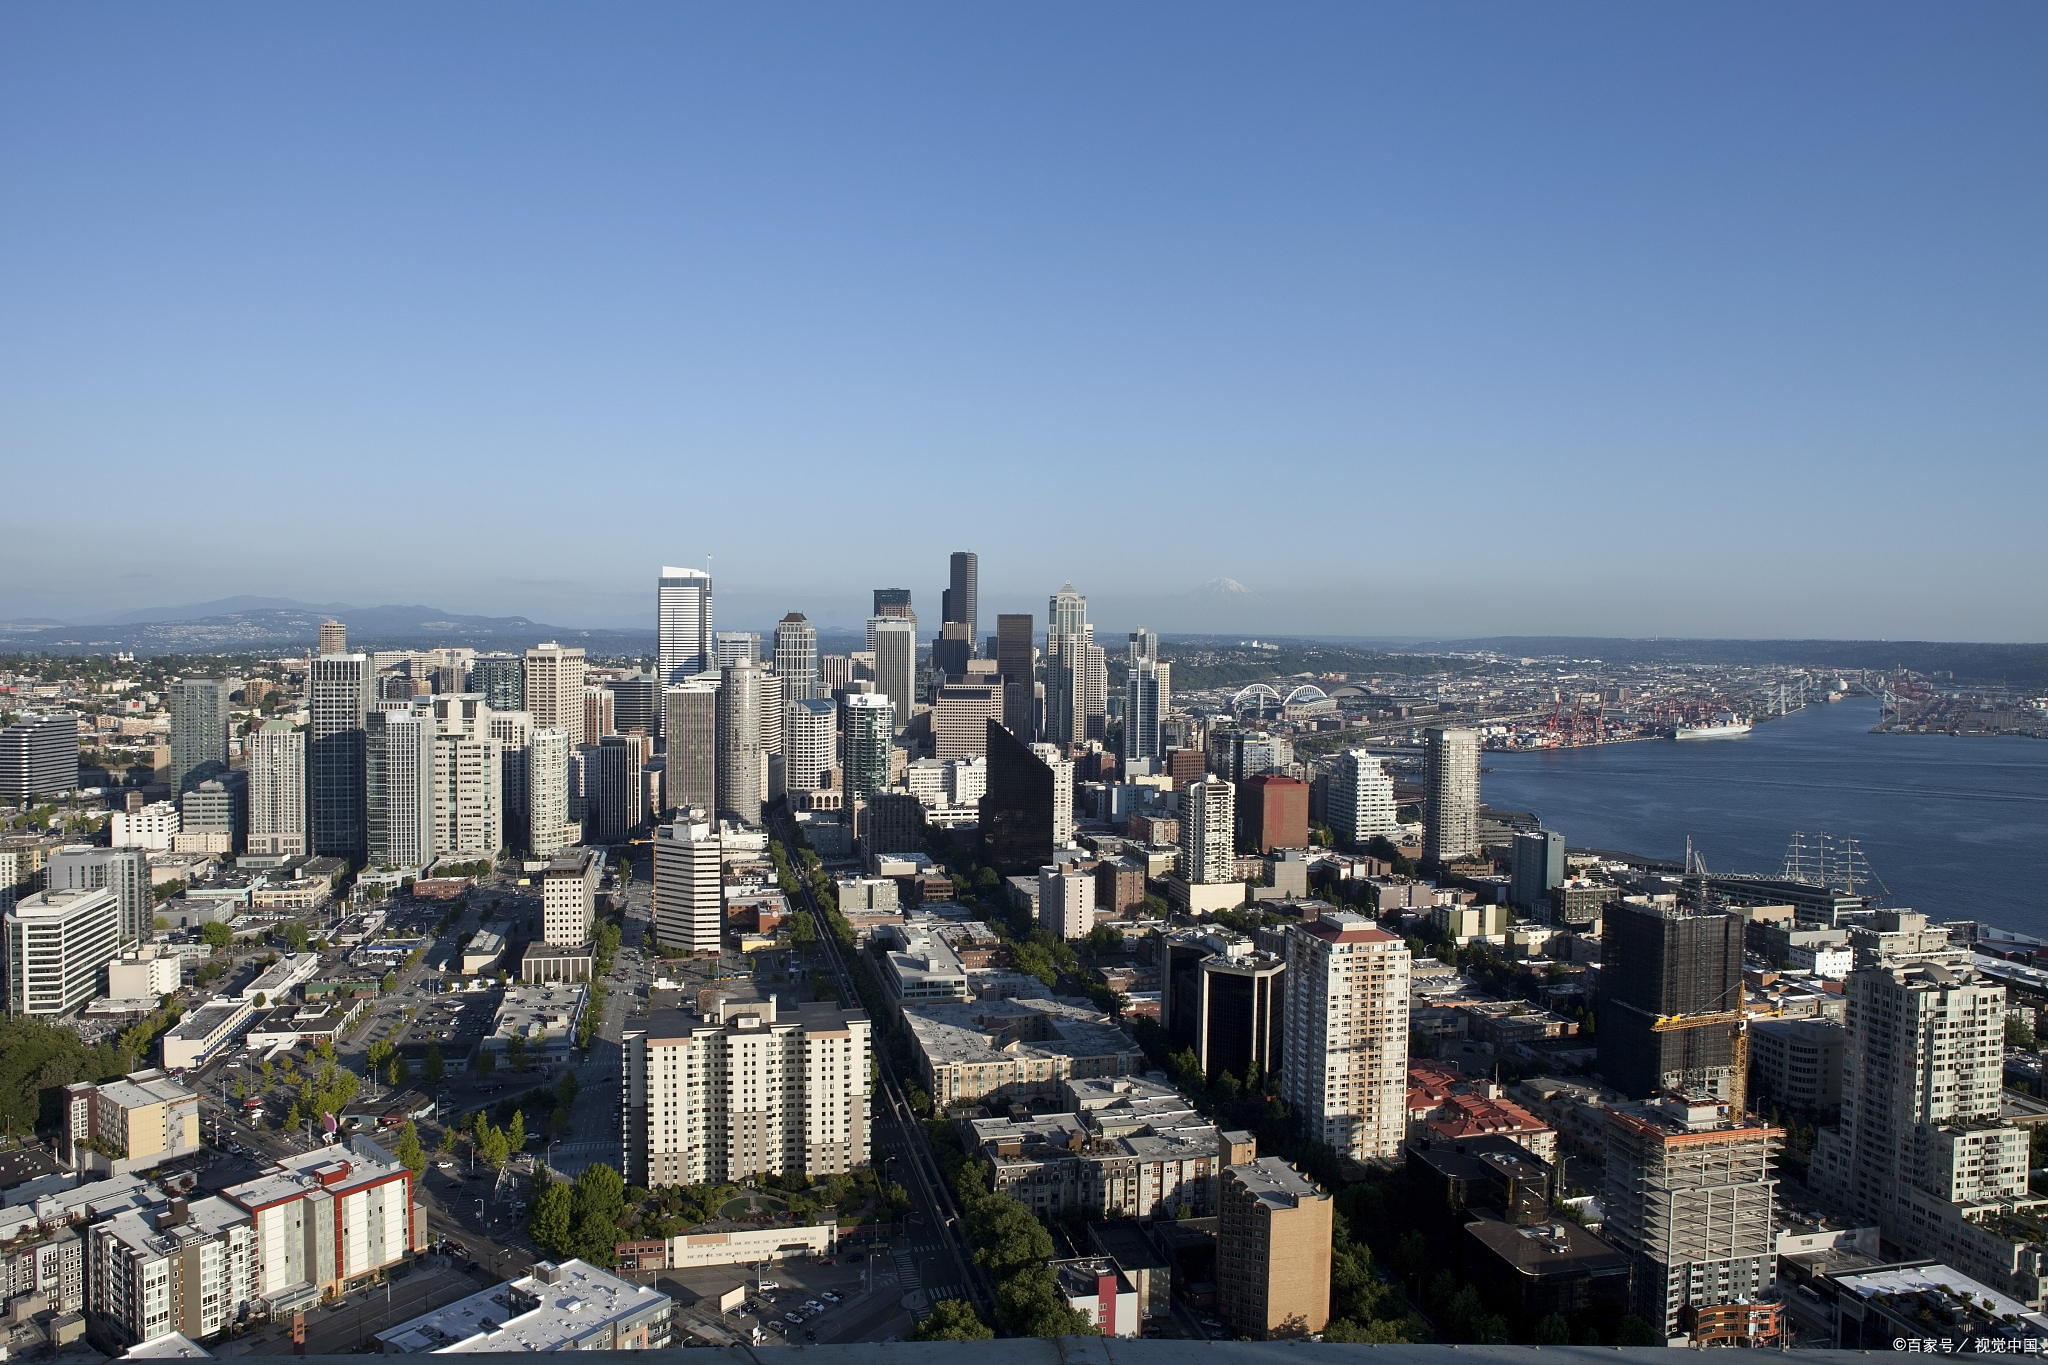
244	624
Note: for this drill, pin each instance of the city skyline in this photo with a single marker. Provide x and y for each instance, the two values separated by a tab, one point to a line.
1542	269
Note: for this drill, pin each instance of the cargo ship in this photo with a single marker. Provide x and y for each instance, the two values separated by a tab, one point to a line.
1727	725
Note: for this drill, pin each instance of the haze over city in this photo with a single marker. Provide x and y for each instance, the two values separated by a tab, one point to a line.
1600	321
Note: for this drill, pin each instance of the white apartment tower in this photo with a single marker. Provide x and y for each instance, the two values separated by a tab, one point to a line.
277	790
514	732
554	691
1062	793
745	1090
1359	798
399	785
1346	1060
689	887
809	741
683	612
569	897
1208	832
549	829
1450	808
469	800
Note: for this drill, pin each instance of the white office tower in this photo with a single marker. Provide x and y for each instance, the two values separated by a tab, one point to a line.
1062	793
895	646
514	732
690	737
554	691
684	612
1359	798
809	741
399	785
689	888
549	829
1450	806
277	790
744	1090
1921	1150
796	657
1346	1060
121	870
469	802
1076	677
1145	698
57	944
773	695
568	897
1208	832
742	764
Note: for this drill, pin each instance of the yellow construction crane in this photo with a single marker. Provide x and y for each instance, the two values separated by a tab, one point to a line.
1738	1065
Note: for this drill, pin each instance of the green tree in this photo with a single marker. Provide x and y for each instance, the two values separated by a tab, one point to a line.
567	1087
389	983
380	1053
399	1072
2019	1032
486	1063
515	1132
433	1068
515	1052
448	1140
1553	1330
295	936
1633	1331
215	934
558	1122
411	1155
553	1209
952	1320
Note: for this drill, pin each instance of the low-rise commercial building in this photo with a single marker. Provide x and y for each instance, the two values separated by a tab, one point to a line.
1096	1286
566	1306
1015	1049
542	1018
143	1118
201	1034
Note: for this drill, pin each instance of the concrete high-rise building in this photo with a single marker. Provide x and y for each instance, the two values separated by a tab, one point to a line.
1538	866
1272	812
199	731
1273	1231
1076	677
514	732
1345	1064
1017	664
894	641
568	897
742	764
554	691
611	790
1662	960
1450	806
893	602
1208	832
1147	689
548	826
277	790
469	782
340	690
745	1090
810	742
333	637
772	697
952	652
796	657
636	704
870	726
834	672
399	786
1358	798
1688	1199
57	944
213	817
598	714
960	716
1922	1150
1066	900
961	602
684	621
691	727
729	647
502	680
121	870
1062	770
1017	806
38	757
689	890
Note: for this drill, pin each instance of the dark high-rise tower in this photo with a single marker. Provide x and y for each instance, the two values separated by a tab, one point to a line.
962	598
1018	805
1016	650
1662	961
893	602
339	692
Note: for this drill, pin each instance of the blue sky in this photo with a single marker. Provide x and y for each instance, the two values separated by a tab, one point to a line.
1426	320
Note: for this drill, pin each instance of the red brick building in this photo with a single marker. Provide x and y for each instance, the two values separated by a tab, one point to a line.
1272	812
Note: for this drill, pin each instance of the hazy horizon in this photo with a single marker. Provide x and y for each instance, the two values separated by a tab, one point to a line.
1443	323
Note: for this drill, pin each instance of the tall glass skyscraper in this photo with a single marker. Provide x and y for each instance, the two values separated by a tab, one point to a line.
684	621
199	731
961	600
870	725
502	680
340	693
796	657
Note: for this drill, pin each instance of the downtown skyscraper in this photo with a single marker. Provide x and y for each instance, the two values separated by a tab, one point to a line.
796	657
339	693
1450	805
199	731
961	600
1146	689
683	618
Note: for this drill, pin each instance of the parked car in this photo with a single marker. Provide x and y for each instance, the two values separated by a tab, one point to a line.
829	1297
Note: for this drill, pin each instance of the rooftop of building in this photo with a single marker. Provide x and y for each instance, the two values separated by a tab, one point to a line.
556	1305
207	1017
140	1089
1125	1242
529	1011
1466	1116
1089	1093
19	1165
1275	1184
339	1170
949	1032
1483	1156
1943	1289
57	904
812	1017
1346	926
1081	1276
1561	1247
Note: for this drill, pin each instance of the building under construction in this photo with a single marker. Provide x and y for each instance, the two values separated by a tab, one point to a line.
1671	998
1688	1198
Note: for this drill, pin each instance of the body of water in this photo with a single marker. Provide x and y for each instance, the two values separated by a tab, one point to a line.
1956	828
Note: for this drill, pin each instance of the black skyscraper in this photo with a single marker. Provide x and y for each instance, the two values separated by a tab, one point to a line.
1660	963
961	601
1016	807
339	697
1015	660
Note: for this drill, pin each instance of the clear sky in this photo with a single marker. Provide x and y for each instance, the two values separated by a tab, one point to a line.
1430	319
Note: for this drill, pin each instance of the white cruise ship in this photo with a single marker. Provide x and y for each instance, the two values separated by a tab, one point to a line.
1727	725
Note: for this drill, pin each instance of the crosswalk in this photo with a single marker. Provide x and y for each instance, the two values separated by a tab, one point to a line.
912	1282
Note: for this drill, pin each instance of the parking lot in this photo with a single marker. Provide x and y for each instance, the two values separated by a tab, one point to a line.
857	1299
